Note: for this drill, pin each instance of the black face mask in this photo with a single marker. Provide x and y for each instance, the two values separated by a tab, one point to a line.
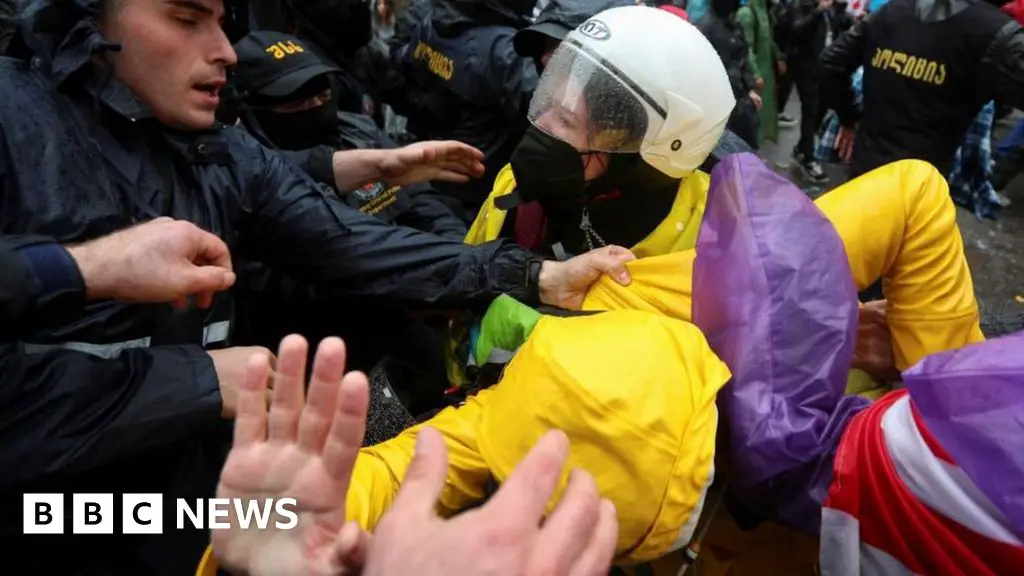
546	167
300	130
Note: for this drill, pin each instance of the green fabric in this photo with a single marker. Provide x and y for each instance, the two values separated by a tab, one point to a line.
754	20
505	326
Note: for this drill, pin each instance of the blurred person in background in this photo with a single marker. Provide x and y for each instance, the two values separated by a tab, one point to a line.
816	24
781	13
765	60
721	29
929	68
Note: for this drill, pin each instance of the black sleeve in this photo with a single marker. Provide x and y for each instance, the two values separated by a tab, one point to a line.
838	62
318	162
1003	66
429	213
40	285
406	22
65	410
306	231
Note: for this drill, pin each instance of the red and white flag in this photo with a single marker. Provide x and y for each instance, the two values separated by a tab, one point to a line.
899	504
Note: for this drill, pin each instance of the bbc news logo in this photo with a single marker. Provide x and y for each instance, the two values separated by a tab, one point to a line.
143	513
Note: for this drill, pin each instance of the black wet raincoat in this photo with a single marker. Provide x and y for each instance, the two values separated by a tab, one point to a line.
463	80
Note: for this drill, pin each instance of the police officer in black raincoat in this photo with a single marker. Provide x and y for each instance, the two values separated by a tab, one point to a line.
929	67
100	130
341	31
463	80
291	105
721	29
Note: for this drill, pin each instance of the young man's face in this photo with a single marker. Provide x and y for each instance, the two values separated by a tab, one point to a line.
174	56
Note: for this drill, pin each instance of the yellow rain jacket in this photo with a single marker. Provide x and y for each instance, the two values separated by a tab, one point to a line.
897	223
678	231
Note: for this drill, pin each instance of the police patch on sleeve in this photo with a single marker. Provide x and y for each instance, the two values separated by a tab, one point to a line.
379	199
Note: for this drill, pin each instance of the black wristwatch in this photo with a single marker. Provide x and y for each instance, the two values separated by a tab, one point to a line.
532	285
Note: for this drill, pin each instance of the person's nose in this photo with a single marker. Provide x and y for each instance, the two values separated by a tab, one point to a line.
223	53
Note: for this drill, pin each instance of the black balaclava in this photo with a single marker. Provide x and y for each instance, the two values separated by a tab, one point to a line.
299	130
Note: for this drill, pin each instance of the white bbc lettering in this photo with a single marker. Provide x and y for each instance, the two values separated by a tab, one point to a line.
92	514
195	516
142	514
288	512
216	505
252	508
43	514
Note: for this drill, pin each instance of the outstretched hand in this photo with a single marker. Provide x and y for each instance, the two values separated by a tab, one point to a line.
447	160
508	536
565	284
303	450
162	260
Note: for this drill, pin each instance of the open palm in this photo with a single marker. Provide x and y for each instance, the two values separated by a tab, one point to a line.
447	160
302	450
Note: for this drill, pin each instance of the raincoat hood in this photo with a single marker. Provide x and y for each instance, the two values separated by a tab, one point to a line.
781	311
607	381
971	400
63	38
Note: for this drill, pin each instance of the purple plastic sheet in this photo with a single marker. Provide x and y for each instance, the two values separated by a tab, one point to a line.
972	401
773	293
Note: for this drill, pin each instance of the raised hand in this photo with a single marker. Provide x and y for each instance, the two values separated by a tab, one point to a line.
304	449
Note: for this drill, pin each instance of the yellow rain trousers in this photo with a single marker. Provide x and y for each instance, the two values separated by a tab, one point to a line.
897	223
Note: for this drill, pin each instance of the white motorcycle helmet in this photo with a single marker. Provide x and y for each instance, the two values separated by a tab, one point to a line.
643	81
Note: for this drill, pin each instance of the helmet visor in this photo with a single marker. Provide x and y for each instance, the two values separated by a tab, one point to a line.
587	104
